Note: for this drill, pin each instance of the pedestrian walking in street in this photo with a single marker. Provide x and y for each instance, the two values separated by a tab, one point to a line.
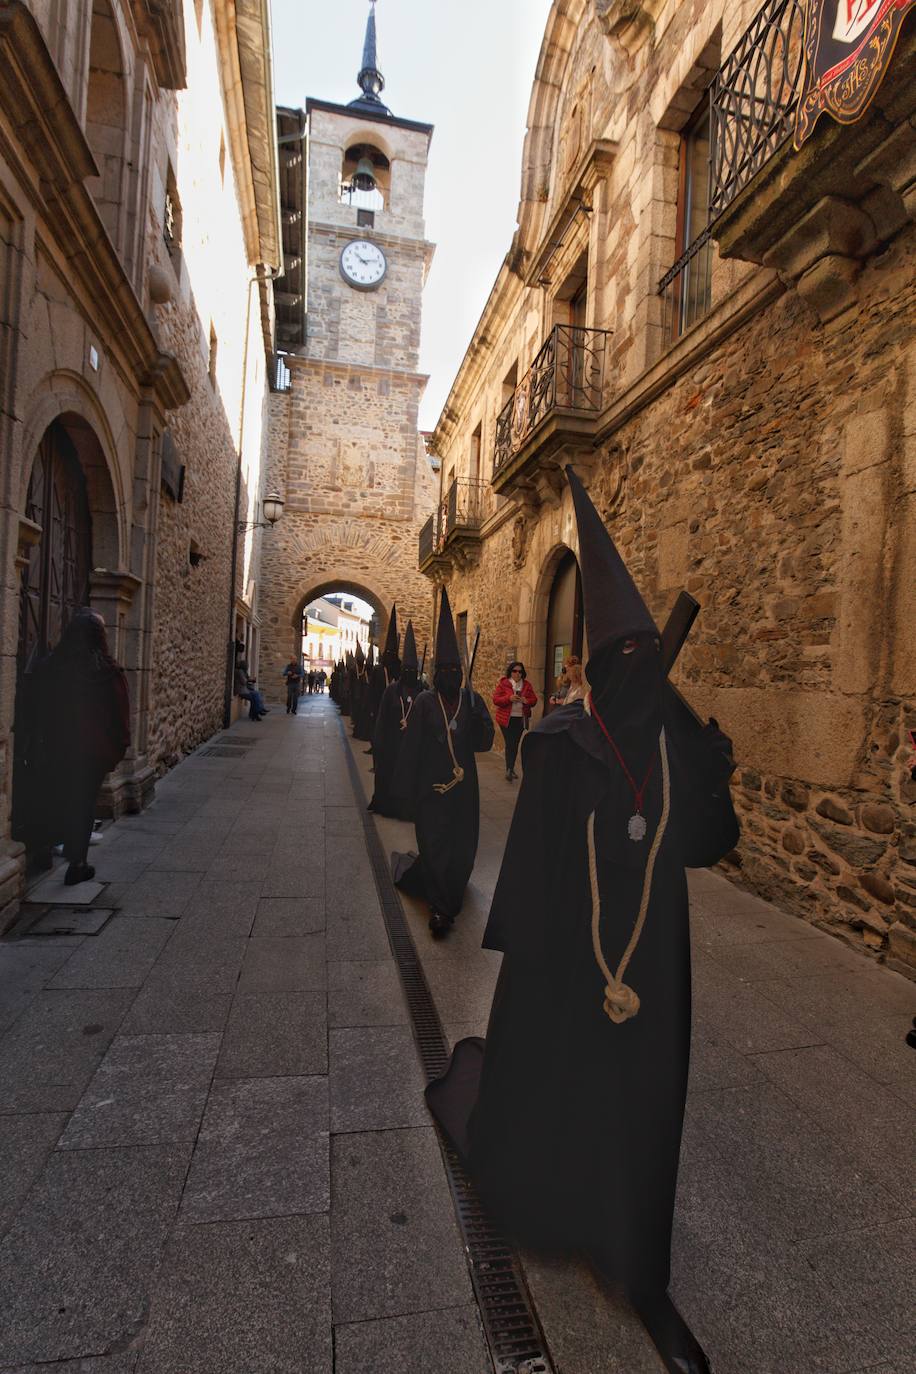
514	700
245	687
293	675
569	1115
391	721
84	717
436	776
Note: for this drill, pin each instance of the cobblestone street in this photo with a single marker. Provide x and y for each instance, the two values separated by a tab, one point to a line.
217	1155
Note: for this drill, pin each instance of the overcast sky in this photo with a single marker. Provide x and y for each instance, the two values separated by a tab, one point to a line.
467	67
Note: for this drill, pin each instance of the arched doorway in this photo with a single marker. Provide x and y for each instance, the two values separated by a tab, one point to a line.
55	581
564	620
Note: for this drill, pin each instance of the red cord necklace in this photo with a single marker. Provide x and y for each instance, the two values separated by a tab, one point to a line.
636	825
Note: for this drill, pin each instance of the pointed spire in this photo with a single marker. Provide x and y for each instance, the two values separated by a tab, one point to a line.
614	608
447	655
370	79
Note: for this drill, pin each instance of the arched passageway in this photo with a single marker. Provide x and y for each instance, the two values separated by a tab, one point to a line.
564	628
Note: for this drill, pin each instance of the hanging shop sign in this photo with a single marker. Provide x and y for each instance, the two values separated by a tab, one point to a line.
848	48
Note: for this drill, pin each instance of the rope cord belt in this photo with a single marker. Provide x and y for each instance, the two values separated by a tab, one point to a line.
457	770
405	715
620	1001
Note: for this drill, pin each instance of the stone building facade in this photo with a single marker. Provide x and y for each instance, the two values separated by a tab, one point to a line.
345	449
742	405
134	346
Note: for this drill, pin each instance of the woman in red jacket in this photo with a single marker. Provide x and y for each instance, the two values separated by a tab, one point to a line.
514	697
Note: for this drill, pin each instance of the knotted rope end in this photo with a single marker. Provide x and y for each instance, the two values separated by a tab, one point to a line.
621	1003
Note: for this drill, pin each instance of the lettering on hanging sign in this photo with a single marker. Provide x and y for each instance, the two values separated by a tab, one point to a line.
849	45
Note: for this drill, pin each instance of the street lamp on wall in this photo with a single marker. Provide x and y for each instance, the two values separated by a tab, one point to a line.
271	509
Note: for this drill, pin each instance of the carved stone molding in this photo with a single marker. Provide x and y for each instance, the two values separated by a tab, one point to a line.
822	255
161	24
630	22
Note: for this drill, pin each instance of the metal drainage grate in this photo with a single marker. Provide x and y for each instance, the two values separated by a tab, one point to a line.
517	1344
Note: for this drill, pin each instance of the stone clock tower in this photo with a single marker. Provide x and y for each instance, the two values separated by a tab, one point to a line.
346	453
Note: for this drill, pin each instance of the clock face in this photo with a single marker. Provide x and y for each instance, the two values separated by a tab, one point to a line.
363	264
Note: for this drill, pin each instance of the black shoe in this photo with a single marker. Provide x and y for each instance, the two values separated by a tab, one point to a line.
679	1348
440	925
78	873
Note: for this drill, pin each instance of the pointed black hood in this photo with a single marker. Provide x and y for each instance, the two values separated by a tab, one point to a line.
447	655
390	653
409	659
614	608
360	656
370	661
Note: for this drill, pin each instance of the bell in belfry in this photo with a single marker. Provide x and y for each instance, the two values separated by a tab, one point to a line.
364	176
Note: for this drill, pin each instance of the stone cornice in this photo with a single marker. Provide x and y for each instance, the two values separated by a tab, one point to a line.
38	109
246	72
421	247
298	360
160	23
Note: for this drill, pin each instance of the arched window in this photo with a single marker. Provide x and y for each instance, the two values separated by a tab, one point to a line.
106	118
564	619
361	187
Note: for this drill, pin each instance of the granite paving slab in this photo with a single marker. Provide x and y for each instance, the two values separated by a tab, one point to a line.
395	1247
121	956
222	910
280	918
273	1034
376	1079
296	964
148	1090
76	1266
262	1151
176	1004
25	1144
52	890
158	893
241	1298
877	1129
365	993
870	1271
590	1328
49	1054
449	1341
358	934
191	956
114	1364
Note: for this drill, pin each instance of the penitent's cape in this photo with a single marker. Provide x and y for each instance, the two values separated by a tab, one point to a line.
569	1119
575	1121
447	824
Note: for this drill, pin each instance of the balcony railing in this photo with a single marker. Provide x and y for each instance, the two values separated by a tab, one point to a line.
567	375
752	100
753	97
462	509
428	543
456	520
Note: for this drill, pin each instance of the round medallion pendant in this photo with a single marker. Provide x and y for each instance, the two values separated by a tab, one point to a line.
636	827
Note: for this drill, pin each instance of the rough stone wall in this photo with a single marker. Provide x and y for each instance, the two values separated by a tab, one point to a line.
770	489
765	464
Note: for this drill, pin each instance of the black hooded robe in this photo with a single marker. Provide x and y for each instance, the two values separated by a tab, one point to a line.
447	824
373	690
571	1124
395	708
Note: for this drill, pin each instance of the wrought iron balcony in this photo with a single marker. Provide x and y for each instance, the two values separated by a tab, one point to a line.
461	513
454	528
555	404
429	543
753	97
